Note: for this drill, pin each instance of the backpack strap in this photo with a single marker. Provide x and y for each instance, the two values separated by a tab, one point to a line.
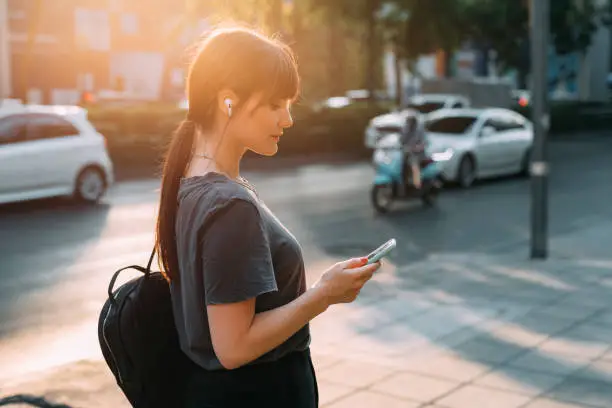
146	271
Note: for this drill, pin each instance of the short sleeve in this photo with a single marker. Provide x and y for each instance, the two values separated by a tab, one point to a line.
236	257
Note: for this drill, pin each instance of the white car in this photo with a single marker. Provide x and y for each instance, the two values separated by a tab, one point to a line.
388	123
474	144
48	151
427	103
420	105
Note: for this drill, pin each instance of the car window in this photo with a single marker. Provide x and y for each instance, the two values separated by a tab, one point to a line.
495	124
517	121
457	105
48	126
12	129
504	123
426	107
456	125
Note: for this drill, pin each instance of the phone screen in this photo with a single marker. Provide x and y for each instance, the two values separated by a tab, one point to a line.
382	251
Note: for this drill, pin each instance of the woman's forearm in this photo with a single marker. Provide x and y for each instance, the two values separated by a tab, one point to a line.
271	328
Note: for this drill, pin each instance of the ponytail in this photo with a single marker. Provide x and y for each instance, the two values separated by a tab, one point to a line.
175	164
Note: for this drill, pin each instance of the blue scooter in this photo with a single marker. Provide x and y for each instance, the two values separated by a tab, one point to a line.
393	180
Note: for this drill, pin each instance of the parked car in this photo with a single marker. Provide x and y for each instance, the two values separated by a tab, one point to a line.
427	103
475	144
48	151
420	105
389	123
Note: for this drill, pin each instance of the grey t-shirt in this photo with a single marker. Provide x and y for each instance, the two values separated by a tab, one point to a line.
231	248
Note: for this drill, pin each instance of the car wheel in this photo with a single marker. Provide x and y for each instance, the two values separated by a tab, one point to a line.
467	172
90	185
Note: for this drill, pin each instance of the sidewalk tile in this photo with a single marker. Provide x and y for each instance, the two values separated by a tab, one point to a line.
581	391
354	374
415	387
488	349
591	330
459	337
545	324
573	347
329	392
519	381
605	317
548	403
322	361
472	396
599	370
594	299
519	335
555	364
369	399
607	355
570	312
448	366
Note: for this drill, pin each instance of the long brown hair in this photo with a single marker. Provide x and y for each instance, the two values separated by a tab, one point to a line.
239	59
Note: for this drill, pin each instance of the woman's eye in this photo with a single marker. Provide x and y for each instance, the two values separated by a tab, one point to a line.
275	106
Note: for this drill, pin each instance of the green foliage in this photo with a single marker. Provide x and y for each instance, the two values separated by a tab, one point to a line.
503	25
430	26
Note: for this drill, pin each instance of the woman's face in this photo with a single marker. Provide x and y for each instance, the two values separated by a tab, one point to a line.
258	126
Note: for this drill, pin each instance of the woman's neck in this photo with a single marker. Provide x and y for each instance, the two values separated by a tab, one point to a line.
225	155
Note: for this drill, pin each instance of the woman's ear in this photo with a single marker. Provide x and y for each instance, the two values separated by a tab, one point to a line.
227	101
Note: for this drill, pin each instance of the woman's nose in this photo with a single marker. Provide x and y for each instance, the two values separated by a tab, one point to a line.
286	121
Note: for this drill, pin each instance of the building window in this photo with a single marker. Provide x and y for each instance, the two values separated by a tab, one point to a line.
129	24
115	5
92	29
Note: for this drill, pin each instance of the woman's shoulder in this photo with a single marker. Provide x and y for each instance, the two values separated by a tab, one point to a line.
209	193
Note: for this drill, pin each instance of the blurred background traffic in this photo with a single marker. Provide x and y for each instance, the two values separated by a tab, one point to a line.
91	91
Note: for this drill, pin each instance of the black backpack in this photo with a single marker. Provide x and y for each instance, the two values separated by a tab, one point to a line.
139	341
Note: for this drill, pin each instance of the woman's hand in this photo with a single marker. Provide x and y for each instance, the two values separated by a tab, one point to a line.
343	281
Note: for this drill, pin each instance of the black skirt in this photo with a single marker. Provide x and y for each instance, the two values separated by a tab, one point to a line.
287	382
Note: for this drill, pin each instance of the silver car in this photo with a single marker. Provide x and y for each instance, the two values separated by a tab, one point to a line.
479	143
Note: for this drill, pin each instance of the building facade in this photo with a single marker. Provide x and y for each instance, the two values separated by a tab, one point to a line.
61	49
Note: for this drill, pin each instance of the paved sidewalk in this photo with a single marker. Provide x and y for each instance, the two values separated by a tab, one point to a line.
453	331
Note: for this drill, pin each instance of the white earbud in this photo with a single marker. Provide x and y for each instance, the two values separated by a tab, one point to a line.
228	103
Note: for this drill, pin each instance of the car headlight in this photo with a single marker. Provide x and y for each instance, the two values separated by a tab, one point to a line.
443	155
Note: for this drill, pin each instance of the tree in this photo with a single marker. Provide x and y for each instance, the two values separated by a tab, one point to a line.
370	8
503	25
274	15
337	14
431	26
414	28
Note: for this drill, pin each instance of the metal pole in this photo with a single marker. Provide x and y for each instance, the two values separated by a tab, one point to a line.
540	26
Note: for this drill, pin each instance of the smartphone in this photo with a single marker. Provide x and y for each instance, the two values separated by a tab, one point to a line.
382	251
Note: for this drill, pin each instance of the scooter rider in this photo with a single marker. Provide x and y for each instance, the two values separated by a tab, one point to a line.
413	141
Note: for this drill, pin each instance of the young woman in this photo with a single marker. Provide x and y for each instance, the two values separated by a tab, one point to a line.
236	273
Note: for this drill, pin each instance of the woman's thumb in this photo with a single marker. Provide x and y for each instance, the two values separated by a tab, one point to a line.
354	263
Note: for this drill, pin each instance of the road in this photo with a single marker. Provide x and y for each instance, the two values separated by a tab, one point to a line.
57	258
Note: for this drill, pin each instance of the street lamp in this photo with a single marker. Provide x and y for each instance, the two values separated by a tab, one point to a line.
539	28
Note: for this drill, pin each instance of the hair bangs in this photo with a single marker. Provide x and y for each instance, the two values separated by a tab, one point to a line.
282	81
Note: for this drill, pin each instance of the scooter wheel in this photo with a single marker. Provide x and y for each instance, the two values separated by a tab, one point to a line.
382	197
430	195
